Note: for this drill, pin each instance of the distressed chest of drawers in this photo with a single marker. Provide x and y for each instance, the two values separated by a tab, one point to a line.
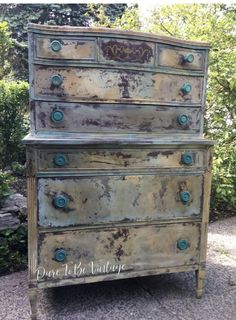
118	170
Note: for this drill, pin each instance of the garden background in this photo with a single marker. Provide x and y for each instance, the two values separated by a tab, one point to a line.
214	23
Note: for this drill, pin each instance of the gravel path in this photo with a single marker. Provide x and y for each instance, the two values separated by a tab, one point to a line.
164	297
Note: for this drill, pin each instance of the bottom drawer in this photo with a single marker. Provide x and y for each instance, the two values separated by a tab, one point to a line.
97	252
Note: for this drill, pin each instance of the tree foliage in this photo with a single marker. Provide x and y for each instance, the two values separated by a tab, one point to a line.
19	15
214	23
5	46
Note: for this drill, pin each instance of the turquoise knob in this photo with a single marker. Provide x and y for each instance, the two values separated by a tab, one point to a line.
60	201
182	244
186	88
55	45
60	255
56	80
60	160
183	119
187	158
57	116
185	196
188	58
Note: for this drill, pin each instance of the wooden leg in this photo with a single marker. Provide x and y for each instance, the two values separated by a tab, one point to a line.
200	280
33	295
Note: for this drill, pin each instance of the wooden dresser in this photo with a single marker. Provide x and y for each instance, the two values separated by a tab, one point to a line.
119	173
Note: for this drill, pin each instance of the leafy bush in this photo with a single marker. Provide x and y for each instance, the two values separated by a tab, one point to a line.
13	250
14	122
5	45
5	183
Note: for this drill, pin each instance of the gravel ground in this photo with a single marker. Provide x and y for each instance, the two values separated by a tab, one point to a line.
164	297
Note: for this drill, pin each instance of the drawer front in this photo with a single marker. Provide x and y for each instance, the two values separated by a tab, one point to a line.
115	118
119	159
124	198
65	48
87	84
181	58
88	253
113	51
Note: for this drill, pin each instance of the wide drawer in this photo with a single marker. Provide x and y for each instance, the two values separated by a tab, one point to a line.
99	252
115	118
90	84
180	58
118	198
79	159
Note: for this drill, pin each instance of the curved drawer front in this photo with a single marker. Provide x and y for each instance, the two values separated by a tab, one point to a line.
106	199
180	58
112	251
87	84
65	48
116	118
119	159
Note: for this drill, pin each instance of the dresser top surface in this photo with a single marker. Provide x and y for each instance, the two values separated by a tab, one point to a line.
117	139
108	32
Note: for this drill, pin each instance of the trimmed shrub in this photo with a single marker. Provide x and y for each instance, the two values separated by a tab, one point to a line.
14	121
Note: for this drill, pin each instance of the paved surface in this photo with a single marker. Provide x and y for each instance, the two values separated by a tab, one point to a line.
165	297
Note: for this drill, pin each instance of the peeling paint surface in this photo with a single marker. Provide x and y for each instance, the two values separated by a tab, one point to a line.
106	199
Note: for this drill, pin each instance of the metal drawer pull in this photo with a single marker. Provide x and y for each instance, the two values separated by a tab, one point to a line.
57	116
183	119
60	160
56	80
185	196
60	201
55	46
60	255
182	244
186	88
187	159
188	58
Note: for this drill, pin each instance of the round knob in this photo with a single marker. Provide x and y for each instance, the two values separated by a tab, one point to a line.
182	244
187	158
186	88
55	45
57	116
188	58
183	119
185	196
60	201
60	255
60	160
56	80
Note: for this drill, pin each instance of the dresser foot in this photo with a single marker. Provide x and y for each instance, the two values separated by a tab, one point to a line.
33	296
200	280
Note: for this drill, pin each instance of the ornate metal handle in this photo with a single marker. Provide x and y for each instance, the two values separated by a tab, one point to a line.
56	80
60	160
185	196
55	45
60	201
182	244
186	88
57	116
183	119
60	255
188	58
187	158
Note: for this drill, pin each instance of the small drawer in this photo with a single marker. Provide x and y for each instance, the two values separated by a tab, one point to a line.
128	52
57	160
65	48
98	85
115	198
187	59
100	252
113	118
